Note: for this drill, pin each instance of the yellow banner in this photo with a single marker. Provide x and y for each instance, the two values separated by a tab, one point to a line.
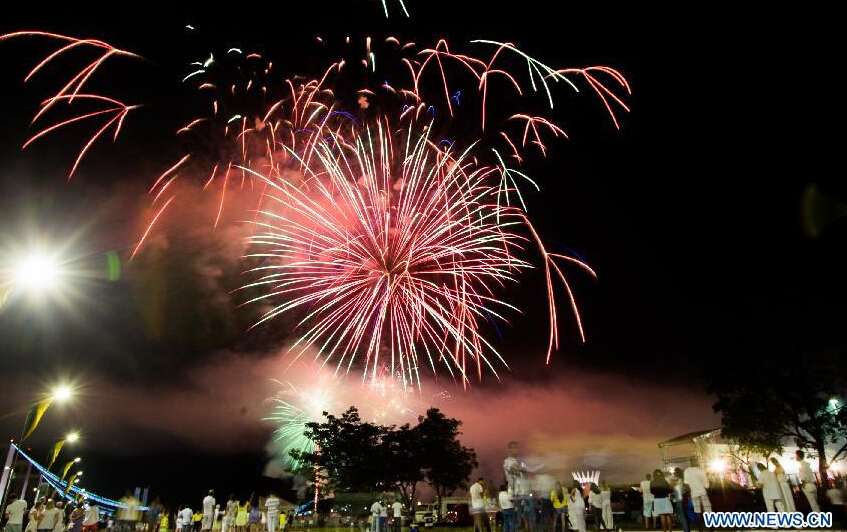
34	417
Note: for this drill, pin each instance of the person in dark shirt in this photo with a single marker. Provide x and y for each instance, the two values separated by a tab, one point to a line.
662	507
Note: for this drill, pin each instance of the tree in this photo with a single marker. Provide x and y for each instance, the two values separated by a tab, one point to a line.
348	453
447	463
356	456
802	402
748	454
405	457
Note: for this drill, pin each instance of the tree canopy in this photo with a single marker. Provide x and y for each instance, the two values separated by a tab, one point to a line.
802	402
352	455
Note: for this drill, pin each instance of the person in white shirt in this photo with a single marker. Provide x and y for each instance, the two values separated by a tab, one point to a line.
376	509
185	516
34	514
477	503
784	486
208	511
60	518
698	483
230	512
576	507
49	517
398	515
92	517
771	491
272	508
509	521
647	502
595	506
606	502
514	468
807	481
15	510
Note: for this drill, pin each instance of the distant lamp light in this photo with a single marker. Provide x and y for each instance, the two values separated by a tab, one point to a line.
833	402
72	437
717	465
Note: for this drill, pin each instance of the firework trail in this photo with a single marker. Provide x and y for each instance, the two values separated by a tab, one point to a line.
387	226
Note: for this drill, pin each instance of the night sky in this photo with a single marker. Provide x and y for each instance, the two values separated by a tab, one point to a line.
712	217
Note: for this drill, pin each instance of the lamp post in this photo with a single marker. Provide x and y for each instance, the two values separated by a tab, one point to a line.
36	272
60	394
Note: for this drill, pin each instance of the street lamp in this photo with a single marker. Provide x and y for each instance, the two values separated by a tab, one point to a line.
62	393
35	272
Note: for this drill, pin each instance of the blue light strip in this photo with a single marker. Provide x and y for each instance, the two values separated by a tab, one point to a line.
60	486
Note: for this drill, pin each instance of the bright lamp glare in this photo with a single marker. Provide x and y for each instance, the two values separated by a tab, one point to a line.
62	393
72	437
718	465
36	272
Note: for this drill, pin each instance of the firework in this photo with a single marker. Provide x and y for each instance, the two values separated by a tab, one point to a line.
383	400
385	228
388	250
295	407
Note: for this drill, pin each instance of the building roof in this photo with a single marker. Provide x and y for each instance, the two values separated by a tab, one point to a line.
688	437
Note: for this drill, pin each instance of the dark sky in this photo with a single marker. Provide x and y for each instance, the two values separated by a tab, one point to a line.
711	218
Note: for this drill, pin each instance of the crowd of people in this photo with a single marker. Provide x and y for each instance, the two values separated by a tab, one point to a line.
567	508
47	515
676	499
379	516
255	514
683	497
